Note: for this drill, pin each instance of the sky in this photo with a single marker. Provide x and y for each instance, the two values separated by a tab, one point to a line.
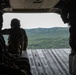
34	20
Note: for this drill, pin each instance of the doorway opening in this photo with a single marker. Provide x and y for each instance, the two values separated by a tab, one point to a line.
44	30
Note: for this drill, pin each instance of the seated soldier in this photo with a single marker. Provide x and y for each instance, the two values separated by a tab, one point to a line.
7	62
17	40
7	66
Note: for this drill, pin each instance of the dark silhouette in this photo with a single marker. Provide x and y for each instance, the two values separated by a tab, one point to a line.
17	40
10	65
7	65
68	15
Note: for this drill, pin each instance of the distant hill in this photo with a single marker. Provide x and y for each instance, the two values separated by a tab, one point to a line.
48	37
45	38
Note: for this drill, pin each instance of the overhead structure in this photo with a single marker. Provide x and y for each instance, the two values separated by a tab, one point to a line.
31	5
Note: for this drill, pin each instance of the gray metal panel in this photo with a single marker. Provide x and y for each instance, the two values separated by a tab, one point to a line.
49	3
28	4
49	61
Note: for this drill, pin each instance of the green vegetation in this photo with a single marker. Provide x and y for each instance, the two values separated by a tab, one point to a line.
45	38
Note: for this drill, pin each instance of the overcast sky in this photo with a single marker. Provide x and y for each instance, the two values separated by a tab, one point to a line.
34	20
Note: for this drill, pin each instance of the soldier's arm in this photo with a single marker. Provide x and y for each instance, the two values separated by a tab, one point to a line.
25	41
5	32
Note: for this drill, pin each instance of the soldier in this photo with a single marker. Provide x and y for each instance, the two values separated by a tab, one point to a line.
68	15
17	40
7	62
5	58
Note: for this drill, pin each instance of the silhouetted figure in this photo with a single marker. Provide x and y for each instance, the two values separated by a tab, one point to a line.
68	15
17	40
7	66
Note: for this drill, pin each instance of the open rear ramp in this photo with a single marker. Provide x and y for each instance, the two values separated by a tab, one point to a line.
49	61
